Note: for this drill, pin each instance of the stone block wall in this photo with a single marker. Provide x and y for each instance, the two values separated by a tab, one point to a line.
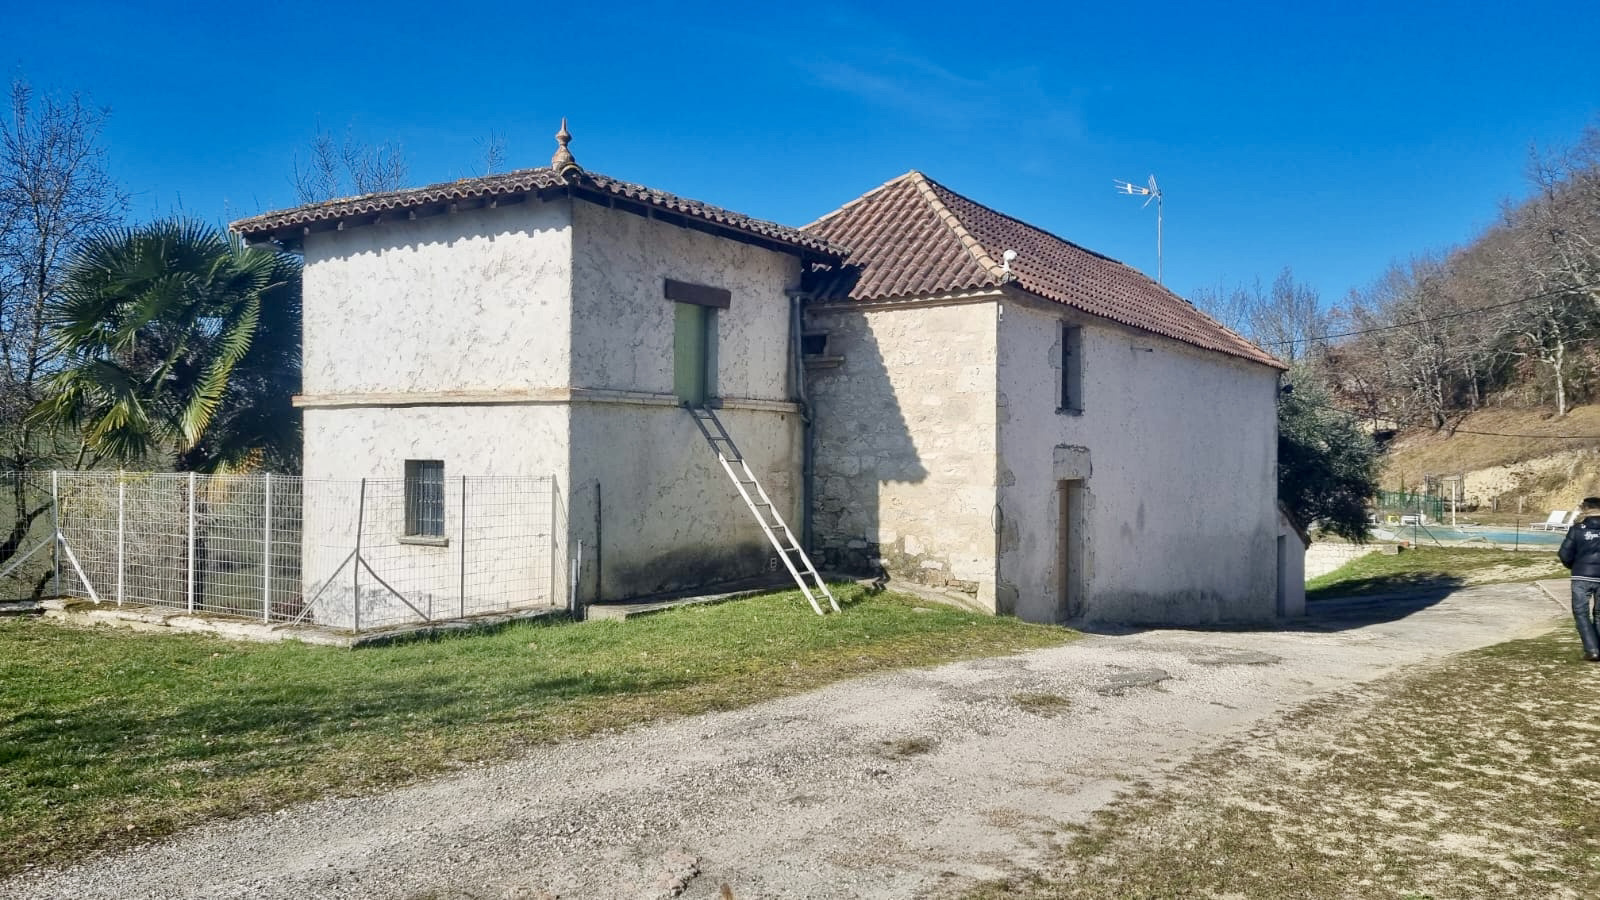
905	443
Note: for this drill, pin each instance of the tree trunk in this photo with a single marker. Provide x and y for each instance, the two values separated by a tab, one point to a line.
1561	383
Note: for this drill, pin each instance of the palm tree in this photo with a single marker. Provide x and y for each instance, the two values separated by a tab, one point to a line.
177	342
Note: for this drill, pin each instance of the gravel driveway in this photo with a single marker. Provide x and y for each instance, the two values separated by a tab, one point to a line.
907	784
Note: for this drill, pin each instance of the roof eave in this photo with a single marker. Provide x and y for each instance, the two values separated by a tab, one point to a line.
290	227
1017	288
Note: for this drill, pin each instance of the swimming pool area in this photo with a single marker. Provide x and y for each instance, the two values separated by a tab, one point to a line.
1497	535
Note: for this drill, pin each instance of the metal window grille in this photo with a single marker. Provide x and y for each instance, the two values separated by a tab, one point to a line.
425	497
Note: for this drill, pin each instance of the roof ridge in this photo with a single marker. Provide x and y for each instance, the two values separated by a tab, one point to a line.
1110	259
861	199
1032	227
906	249
973	246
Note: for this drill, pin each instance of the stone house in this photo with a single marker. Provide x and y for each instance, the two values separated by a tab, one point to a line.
1044	432
1003	414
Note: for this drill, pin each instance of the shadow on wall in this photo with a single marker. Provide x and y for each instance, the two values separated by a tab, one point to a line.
862	442
1345	613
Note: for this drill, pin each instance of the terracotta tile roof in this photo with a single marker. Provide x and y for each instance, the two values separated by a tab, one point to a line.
589	185
914	237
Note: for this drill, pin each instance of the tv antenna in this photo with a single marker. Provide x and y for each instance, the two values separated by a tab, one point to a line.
1150	192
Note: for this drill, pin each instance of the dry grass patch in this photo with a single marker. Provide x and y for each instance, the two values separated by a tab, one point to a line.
1042	704
907	747
1477	777
1433	568
1425	452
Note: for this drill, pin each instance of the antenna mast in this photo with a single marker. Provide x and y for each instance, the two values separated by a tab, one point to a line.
1150	192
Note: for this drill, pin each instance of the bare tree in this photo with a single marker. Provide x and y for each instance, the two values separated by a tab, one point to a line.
55	192
1290	318
1422	347
1515	311
1229	306
1563	216
1544	331
493	149
1356	371
1287	319
349	167
1545	268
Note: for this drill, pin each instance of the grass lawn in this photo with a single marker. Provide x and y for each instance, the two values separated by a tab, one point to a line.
1433	567
109	736
1473	778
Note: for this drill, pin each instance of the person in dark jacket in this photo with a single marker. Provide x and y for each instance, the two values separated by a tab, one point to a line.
1580	552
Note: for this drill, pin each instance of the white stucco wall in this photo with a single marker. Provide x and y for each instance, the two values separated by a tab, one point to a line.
668	517
622	323
535	339
1291	570
905	442
511	554
473	301
1177	450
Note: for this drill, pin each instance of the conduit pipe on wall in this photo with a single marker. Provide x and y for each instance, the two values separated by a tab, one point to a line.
797	369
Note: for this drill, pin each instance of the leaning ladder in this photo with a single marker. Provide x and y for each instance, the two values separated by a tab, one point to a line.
772	524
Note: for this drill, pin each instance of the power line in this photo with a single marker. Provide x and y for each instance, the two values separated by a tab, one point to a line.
1439	318
1402	423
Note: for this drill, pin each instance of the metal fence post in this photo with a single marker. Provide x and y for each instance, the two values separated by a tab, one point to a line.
266	551
577	570
355	560
461	601
121	529
191	542
555	545
55	527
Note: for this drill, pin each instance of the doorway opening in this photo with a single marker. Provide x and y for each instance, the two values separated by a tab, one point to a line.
1069	548
1283	575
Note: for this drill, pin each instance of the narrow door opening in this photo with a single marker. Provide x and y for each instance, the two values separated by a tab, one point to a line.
1069	553
1283	575
694	350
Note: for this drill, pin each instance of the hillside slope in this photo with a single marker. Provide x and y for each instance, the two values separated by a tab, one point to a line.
1547	470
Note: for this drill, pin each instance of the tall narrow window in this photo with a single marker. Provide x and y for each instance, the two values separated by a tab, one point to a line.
424	498
694	353
694	339
1071	369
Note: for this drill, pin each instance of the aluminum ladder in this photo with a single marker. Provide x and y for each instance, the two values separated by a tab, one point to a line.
767	516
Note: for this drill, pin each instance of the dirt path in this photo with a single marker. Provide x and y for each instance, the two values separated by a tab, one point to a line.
907	784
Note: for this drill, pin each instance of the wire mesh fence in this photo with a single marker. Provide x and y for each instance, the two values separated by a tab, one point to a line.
345	554
25	559
1425	507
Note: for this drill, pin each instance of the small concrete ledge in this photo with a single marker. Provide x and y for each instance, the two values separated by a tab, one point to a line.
941	596
1559	590
21	608
620	612
736	590
155	620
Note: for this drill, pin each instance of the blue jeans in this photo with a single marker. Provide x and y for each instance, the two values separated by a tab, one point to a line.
1582	593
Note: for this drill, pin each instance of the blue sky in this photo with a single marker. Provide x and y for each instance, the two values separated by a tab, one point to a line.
1332	142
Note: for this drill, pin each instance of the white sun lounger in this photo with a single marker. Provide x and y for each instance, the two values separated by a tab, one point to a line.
1559	519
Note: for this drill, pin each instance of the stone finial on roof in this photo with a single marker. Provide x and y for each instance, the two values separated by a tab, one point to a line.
562	162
